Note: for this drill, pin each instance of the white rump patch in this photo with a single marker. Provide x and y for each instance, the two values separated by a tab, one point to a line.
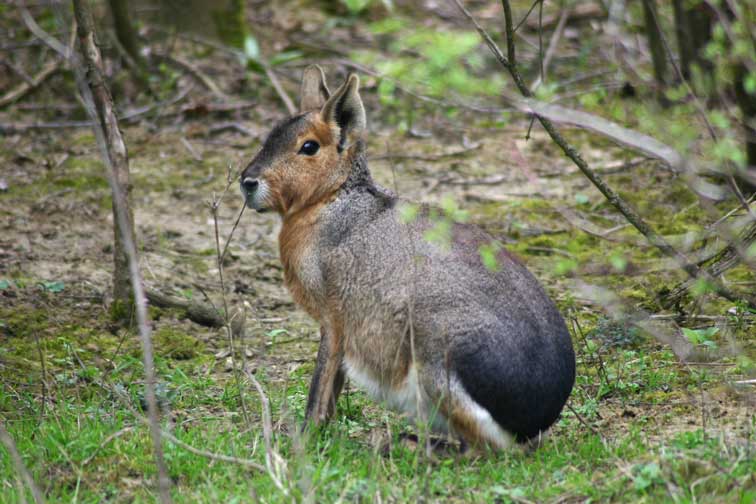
404	399
411	399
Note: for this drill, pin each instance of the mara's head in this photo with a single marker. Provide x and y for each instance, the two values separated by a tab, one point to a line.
306	158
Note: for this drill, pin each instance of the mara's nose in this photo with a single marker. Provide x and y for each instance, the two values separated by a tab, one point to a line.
249	184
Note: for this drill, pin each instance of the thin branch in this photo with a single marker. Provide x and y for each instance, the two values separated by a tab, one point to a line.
45	37
10	445
527	14
112	149
555	37
104	443
233	230
273	461
219	255
290	107
124	400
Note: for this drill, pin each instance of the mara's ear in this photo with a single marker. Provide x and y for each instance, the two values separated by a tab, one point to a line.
344	110
314	91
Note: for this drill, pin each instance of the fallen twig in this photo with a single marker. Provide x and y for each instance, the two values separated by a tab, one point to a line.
26	87
195	311
432	157
230	126
195	72
127	116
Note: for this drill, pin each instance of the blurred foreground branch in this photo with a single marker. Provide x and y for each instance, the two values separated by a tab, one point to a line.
10	445
99	105
509	62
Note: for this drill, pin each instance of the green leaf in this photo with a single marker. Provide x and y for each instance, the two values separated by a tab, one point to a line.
719	119
564	266
53	287
581	199
356	6
749	83
439	234
647	475
408	212
701	336
255	66
277	332
618	262
4	284
488	252
251	47
386	26
452	211
285	57
701	286
545	92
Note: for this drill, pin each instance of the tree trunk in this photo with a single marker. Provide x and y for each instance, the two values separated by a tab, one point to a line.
747	104
658	56
125	30
123	296
684	38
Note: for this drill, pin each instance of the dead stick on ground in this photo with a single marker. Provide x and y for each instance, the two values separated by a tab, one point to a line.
280	90
195	311
195	72
509	62
10	445
27	86
99	104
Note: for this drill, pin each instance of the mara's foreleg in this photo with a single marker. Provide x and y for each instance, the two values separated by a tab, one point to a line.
328	378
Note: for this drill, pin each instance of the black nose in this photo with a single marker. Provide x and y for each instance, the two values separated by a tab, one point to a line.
249	185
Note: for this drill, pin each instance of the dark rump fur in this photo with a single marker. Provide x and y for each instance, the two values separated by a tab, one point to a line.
508	375
525	399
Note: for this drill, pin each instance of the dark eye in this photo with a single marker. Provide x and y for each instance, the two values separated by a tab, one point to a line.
309	148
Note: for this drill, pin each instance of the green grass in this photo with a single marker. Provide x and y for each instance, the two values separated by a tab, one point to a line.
87	446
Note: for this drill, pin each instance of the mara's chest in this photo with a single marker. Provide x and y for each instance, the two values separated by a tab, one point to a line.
304	280
300	258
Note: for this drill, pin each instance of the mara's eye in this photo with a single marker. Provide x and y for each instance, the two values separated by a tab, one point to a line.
309	148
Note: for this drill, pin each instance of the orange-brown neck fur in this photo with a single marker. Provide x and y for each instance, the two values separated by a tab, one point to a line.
298	234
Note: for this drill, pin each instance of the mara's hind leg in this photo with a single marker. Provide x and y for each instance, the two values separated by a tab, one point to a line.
479	430
464	418
471	422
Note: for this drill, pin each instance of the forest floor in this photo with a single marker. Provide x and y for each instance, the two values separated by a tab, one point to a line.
641	425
